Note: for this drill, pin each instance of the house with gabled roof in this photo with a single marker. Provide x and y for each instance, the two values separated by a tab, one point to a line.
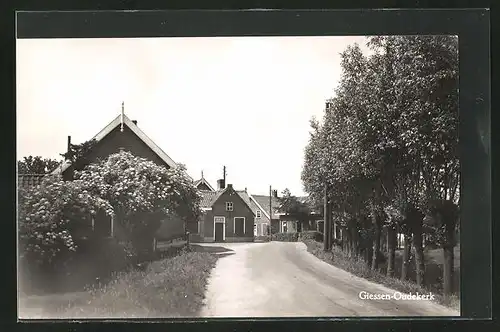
268	213
202	184
231	215
122	133
227	216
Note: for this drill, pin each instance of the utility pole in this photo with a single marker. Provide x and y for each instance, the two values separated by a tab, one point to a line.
224	174
270	210
326	226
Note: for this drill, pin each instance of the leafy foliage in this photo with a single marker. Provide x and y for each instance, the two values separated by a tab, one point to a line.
290	204
79	153
36	165
56	215
141	193
387	145
51	214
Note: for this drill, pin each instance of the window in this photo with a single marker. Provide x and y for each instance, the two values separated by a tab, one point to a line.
229	206
254	229
284	228
239	226
258	214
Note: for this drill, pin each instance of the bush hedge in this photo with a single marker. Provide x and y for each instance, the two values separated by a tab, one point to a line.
286	237
311	235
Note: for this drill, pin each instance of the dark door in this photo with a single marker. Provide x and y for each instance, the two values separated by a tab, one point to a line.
219	232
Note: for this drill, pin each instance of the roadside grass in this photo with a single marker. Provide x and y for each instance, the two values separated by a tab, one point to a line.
358	267
171	287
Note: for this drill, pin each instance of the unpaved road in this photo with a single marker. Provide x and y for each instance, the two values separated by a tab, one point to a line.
281	279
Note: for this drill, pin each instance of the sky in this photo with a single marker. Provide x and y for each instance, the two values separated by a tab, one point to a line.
240	102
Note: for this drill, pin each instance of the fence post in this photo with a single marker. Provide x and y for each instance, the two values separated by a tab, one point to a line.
187	239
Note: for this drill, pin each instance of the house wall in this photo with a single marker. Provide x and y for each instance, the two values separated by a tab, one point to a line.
263	220
240	209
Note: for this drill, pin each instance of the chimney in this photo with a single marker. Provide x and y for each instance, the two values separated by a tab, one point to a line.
275	193
230	186
134	122
69	144
245	189
221	184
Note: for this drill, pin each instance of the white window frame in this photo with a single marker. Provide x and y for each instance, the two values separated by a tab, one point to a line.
199	226
263	226
283	223
222	220
255	229
229	206
234	224
258	214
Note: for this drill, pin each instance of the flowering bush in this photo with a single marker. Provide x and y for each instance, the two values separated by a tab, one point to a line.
50	215
141	193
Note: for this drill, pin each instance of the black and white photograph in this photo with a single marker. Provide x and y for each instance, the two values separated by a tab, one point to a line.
238	177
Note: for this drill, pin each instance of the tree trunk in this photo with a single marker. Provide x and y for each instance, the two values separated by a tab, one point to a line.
391	250
354	248
406	256
419	255
348	242
449	256
376	243
369	254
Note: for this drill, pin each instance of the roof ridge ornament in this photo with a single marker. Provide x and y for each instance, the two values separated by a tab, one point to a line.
123	112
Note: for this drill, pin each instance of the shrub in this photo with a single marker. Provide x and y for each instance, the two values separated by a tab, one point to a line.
311	235
142	194
49	217
285	237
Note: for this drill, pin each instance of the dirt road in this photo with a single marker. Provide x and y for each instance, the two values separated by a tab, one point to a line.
281	279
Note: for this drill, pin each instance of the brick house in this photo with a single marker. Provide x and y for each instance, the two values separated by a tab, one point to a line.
263	218
228	216
124	134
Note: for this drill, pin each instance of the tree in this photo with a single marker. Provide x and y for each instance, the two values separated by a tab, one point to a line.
36	165
78	154
141	193
290	204
387	145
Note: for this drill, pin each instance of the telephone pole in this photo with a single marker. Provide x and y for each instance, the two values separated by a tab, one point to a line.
326	222
270	210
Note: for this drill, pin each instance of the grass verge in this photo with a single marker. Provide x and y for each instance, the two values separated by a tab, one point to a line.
172	287
358	267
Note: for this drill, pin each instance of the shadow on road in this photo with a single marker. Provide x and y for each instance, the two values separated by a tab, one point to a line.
211	249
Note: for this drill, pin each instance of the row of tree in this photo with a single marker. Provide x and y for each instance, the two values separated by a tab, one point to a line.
386	151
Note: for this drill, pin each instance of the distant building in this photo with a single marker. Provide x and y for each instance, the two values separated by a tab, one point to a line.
227	216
